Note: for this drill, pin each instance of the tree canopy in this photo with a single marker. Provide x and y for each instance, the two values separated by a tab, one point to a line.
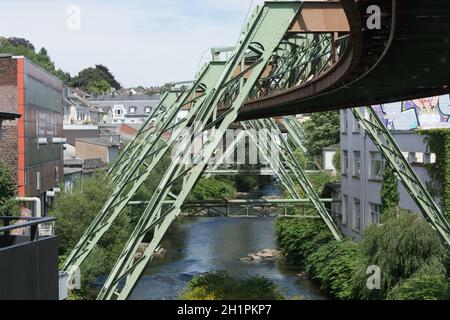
96	80
321	131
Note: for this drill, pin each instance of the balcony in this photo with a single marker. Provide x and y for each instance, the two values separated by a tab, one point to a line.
28	259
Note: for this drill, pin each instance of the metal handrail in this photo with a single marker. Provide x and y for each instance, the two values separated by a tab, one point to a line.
32	222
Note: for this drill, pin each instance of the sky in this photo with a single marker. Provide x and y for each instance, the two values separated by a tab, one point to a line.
142	42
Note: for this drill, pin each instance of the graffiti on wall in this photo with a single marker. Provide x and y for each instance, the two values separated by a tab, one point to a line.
425	113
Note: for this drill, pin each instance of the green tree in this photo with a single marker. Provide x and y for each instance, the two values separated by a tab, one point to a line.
75	211
321	131
401	247
390	197
429	283
96	80
8	205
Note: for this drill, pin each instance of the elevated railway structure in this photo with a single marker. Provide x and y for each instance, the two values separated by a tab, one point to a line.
292	57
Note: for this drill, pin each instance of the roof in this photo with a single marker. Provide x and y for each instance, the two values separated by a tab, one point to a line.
102	141
9	116
69	171
140	106
136	97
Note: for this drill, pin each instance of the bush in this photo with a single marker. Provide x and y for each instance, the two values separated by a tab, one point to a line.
333	265
8	205
390	197
221	286
410	254
429	283
298	238
209	189
401	247
75	211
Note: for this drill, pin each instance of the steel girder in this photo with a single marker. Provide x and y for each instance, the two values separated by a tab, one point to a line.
262	36
386	144
142	159
295	128
265	146
290	161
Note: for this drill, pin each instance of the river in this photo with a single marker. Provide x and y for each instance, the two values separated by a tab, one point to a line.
203	244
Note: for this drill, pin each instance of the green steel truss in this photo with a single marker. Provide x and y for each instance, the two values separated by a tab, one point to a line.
144	153
290	162
262	36
386	144
292	60
295	128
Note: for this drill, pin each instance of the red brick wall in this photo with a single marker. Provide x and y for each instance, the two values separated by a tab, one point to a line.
8	103
8	85
8	144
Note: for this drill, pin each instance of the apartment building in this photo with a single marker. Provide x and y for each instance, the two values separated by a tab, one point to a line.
362	165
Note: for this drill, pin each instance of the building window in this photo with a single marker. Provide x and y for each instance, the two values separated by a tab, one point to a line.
344	209
357	215
148	110
345	121
357	164
56	174
1	129
377	165
345	162
38	180
118	112
428	158
375	213
133	110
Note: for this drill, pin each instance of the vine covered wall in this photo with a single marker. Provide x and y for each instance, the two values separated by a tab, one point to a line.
438	141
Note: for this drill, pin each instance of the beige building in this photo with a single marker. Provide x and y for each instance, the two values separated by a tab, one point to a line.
103	148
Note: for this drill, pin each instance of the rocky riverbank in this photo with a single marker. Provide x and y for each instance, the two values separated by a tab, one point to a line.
262	256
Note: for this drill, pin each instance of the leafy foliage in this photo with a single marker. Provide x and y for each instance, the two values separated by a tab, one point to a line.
429	283
322	131
413	261
7	191
439	143
400	247
337	162
75	211
221	286
333	265
96	80
299	238
390	197
209	189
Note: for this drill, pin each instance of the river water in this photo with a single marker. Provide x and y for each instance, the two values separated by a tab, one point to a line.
206	244
203	244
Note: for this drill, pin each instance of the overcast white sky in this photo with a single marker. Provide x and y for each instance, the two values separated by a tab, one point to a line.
143	42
